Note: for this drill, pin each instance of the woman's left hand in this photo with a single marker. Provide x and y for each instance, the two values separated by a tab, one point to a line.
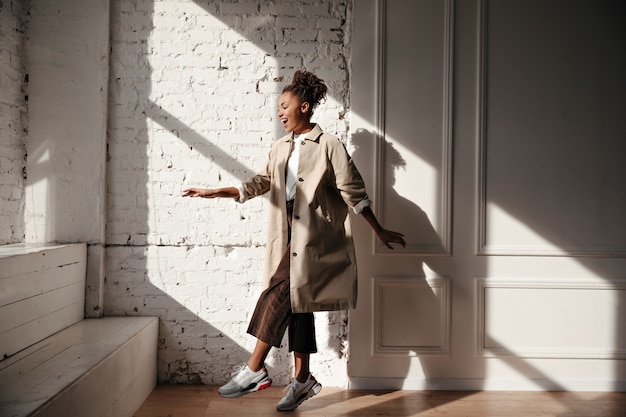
389	236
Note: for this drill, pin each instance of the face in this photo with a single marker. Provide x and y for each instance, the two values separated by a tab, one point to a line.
292	114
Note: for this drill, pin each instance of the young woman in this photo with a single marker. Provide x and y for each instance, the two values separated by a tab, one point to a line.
310	263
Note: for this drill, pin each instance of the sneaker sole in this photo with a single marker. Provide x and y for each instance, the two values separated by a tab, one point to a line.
315	389
254	387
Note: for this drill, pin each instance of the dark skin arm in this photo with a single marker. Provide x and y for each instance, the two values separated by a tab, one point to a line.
227	192
385	236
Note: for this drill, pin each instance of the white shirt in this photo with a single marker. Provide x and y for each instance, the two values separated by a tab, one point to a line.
292	167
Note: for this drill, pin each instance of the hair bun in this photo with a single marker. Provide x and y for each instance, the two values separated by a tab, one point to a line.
306	78
307	87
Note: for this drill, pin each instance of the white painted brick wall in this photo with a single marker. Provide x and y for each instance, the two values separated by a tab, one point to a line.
13	117
193	101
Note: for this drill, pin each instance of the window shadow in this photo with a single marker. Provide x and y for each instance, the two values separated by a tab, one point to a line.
145	184
129	289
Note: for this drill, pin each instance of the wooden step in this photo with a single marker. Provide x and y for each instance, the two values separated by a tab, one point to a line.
97	367
42	291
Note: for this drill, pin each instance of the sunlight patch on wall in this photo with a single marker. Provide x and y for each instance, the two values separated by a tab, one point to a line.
508	234
37	194
211	119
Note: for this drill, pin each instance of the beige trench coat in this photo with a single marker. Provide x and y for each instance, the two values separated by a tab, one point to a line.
323	264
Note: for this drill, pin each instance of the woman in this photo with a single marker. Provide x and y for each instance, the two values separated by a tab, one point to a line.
310	263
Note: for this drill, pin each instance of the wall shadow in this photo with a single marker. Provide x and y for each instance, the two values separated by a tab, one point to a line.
577	171
191	340
417	268
598	266
190	349
422	229
135	179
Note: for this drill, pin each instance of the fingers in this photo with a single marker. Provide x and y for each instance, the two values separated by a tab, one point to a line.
393	237
192	192
400	240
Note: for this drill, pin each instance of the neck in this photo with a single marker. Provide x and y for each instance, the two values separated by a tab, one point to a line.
306	128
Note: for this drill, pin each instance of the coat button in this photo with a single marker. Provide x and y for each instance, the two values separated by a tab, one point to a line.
296	217
302	143
301	179
294	254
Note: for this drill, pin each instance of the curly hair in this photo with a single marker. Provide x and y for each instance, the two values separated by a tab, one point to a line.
308	88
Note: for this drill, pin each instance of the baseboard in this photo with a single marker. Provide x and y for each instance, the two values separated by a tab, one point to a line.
478	384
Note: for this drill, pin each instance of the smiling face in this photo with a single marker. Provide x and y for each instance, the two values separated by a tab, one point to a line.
293	115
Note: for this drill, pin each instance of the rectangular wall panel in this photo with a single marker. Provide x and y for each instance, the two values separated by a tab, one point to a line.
538	197
553	154
411	316
413	177
551	318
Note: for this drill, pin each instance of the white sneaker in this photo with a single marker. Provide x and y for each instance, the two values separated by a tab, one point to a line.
245	381
298	392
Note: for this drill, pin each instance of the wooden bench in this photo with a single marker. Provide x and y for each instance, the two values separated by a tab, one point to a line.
54	362
42	291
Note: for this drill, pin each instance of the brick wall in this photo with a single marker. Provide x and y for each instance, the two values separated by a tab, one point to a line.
13	118
192	101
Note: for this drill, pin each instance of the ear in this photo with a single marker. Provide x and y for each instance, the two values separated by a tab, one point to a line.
304	107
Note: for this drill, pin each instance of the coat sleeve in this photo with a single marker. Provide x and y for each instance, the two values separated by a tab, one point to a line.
258	184
347	177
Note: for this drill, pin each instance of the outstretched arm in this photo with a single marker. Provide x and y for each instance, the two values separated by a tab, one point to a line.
228	192
385	236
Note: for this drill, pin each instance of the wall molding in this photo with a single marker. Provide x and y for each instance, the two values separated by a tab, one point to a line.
443	287
483	284
483	246
446	163
484	384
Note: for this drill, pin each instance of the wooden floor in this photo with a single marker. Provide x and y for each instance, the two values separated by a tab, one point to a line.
196	401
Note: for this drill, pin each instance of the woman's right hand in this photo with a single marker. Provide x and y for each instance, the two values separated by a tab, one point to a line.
197	192
229	192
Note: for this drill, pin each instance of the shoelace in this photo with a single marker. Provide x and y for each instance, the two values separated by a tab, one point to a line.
291	388
238	370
